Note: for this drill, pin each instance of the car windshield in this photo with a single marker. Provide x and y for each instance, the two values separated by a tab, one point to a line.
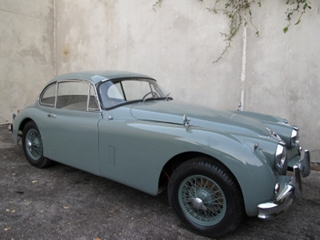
118	92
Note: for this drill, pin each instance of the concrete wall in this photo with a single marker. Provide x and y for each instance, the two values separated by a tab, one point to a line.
26	52
283	70
176	44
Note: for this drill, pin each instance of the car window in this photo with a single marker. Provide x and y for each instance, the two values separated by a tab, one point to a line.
48	96
73	95
113	93
136	90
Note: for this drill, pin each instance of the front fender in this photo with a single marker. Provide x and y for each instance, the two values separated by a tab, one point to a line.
148	146
248	164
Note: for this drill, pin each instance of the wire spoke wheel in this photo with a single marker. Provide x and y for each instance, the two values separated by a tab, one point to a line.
202	200
206	197
34	144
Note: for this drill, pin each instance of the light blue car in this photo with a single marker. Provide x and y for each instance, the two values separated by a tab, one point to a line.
217	166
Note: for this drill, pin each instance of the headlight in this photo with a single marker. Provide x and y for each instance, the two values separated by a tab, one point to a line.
281	162
294	137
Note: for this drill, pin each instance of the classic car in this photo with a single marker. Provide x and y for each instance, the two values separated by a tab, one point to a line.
217	166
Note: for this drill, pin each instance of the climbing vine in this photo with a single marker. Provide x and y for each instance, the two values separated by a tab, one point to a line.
156	4
239	12
300	7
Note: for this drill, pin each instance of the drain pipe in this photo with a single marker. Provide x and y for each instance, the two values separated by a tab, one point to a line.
244	63
54	38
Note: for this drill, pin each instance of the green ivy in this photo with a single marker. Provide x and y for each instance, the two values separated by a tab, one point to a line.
237	12
304	4
157	4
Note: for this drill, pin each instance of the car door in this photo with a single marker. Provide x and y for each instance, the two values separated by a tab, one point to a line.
70	134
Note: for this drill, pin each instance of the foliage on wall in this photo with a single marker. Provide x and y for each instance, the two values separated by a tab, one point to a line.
239	12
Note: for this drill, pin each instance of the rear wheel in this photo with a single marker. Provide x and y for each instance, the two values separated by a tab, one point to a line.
33	146
206	197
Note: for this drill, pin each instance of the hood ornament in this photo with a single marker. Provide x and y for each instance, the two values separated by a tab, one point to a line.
240	106
274	135
185	121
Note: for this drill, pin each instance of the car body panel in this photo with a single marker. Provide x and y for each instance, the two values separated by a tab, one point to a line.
282	128
75	134
173	112
62	140
139	162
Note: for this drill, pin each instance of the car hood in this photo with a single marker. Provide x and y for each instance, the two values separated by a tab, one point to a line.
220	121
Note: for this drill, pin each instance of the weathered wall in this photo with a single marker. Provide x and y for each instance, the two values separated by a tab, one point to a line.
175	44
283	70
26	52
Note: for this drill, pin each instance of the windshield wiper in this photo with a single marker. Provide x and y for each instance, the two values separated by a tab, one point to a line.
167	97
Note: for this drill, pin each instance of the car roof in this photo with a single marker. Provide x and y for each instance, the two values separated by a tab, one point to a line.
99	76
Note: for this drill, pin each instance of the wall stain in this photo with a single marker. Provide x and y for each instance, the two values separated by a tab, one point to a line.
44	38
66	53
35	53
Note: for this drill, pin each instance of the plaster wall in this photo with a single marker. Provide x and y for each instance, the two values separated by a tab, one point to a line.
175	44
26	52
283	70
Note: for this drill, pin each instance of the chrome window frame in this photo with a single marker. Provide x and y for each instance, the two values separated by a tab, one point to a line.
90	87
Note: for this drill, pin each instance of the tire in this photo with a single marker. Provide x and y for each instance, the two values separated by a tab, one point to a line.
206	197
33	146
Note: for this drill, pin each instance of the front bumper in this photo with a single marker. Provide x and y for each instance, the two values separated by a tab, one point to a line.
291	191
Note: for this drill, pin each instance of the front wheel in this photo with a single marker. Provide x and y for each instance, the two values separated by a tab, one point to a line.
33	146
206	197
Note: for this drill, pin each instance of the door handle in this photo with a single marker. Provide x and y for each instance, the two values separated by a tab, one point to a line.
51	115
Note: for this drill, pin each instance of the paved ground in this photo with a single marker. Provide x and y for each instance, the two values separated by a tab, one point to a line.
61	202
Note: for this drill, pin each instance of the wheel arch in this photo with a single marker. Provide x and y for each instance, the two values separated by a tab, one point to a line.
178	159
24	122
18	129
21	126
252	176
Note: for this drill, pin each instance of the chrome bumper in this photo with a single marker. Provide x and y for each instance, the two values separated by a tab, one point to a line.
291	191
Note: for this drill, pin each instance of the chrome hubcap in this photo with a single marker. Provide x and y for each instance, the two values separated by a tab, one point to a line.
29	144
197	203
